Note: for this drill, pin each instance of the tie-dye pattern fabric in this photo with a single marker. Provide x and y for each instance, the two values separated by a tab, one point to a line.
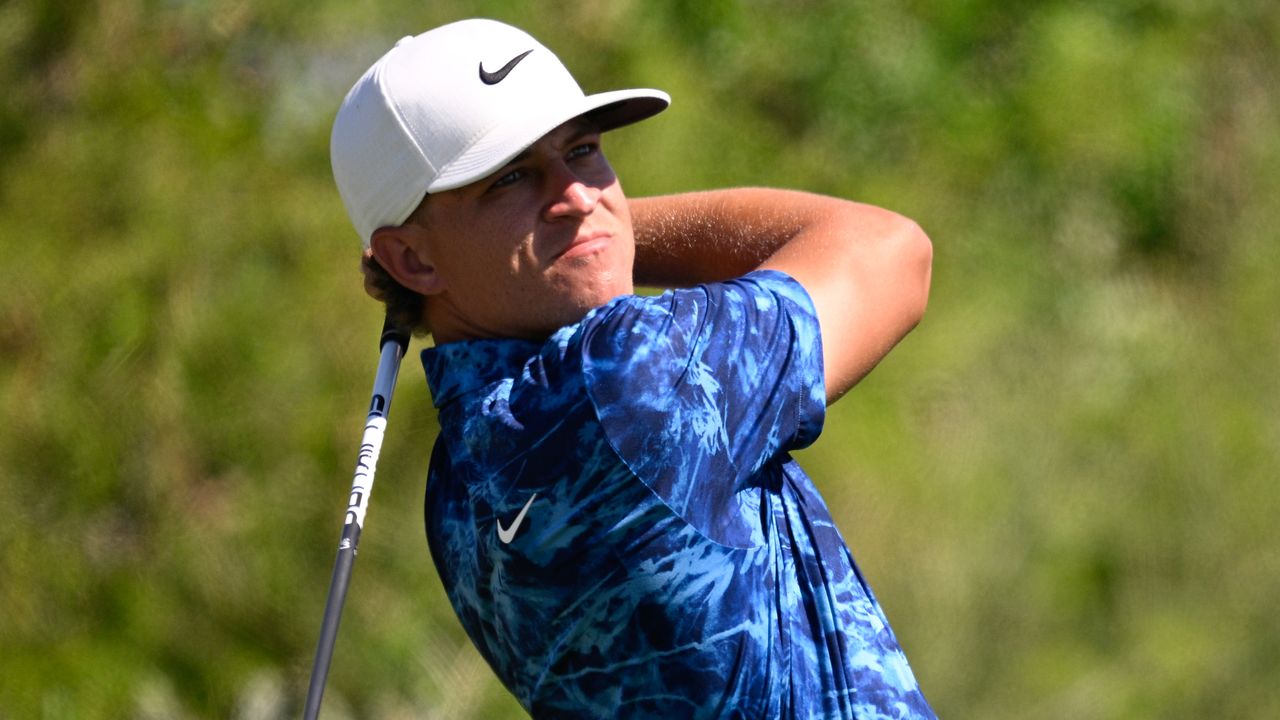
666	557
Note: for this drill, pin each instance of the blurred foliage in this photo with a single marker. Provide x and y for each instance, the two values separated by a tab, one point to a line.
1063	485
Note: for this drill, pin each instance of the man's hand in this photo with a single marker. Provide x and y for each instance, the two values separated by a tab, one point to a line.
866	269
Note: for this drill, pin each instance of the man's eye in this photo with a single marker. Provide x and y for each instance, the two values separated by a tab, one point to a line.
583	150
508	179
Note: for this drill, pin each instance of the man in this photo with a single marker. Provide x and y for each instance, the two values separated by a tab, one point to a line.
610	504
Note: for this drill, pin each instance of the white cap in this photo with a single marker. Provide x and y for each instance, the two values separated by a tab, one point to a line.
450	106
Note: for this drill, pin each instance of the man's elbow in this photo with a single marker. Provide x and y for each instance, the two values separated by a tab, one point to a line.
916	258
897	270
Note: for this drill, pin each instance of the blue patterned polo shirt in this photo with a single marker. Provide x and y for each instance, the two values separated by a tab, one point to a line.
620	529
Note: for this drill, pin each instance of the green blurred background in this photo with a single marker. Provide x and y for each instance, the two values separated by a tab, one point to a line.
1063	485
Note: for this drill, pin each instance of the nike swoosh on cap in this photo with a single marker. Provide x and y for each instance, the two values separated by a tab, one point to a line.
493	78
506	535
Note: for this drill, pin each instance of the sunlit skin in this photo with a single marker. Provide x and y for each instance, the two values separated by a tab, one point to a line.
524	251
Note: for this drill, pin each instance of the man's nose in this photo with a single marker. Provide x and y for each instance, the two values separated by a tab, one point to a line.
571	196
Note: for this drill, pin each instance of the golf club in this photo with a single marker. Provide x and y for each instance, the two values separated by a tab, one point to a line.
392	345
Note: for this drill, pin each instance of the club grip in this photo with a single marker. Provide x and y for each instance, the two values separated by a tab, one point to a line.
393	333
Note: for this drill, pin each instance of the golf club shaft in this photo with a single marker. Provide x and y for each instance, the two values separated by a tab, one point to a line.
392	346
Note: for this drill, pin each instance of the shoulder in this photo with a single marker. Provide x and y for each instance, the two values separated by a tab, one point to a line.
697	389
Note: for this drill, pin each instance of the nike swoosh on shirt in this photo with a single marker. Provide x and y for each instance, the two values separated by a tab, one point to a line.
506	535
493	78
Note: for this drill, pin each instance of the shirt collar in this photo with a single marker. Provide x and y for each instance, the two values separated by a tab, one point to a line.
457	368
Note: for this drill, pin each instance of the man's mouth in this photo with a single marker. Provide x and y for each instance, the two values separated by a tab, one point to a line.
587	244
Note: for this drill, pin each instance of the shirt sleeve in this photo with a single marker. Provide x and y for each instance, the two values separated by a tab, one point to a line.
698	390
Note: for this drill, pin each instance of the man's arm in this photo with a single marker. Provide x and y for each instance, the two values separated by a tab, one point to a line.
866	269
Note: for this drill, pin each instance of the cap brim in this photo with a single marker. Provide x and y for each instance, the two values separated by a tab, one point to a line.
610	110
611	114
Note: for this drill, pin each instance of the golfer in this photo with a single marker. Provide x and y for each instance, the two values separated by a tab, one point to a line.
611	504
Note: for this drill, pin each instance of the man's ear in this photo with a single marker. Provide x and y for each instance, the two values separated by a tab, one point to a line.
402	251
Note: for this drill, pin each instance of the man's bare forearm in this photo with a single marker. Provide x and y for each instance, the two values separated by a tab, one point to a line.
698	237
692	238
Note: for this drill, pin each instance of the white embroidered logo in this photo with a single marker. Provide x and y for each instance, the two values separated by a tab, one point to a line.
506	535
